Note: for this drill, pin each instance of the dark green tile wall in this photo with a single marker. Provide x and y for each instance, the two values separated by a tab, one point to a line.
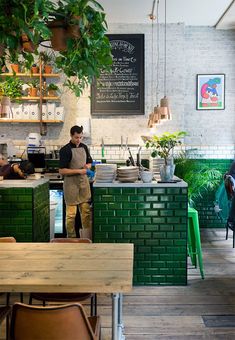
24	213
155	220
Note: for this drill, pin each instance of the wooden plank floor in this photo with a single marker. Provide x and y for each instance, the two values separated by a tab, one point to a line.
176	312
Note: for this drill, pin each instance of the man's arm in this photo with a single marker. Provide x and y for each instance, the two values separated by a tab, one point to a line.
66	171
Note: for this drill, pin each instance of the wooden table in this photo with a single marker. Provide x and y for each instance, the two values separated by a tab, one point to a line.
69	267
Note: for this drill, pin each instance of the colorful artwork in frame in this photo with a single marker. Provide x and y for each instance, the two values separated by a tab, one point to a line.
210	92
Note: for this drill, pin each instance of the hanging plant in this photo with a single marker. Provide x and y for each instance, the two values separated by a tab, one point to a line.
88	53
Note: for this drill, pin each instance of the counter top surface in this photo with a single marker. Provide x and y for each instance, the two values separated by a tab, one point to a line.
22	183
140	184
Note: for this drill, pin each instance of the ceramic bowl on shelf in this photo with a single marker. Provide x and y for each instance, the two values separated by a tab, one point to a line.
146	176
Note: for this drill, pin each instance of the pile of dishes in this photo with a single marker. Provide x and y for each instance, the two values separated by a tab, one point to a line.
128	174
105	173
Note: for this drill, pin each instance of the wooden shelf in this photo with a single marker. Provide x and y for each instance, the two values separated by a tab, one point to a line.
7	120
46	75
38	98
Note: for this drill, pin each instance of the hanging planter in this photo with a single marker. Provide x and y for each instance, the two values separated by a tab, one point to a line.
59	35
73	29
27	44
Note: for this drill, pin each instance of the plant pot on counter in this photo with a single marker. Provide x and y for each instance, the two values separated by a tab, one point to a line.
167	171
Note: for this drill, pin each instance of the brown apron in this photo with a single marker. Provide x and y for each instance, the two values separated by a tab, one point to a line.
77	187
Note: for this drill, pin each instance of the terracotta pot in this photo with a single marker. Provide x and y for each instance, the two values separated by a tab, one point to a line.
15	68
33	92
73	30
51	93
59	35
34	69
27	44
47	68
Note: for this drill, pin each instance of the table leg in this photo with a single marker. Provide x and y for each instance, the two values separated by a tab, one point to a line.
117	325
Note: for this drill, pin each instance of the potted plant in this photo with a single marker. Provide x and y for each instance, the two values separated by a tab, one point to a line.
51	90
47	59
10	88
34	69
200	177
23	25
33	87
88	55
13	59
163	146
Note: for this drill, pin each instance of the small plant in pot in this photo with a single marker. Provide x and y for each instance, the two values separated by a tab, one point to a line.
51	90
10	88
47	59
163	146
34	69
33	87
14	62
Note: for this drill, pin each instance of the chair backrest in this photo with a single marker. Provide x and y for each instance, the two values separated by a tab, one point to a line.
229	184
64	322
71	240
7	239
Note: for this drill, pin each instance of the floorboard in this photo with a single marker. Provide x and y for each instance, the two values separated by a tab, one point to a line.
153	313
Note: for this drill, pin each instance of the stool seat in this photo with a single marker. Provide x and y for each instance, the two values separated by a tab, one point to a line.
194	240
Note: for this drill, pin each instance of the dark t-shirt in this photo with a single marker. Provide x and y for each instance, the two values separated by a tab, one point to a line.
232	170
8	173
66	154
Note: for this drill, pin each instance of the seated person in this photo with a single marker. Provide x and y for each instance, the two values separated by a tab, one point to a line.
16	170
229	182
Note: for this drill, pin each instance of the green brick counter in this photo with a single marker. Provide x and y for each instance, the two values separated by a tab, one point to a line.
153	216
24	210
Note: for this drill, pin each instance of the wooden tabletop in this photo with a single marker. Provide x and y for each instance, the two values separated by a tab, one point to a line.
66	267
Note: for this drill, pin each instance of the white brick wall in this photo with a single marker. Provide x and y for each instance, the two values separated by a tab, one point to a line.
190	51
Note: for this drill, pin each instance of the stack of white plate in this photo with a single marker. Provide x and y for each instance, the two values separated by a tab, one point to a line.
128	174
105	173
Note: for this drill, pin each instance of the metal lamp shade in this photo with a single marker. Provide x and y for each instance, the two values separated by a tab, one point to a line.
165	108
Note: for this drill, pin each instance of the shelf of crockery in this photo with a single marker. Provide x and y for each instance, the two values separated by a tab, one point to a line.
7	120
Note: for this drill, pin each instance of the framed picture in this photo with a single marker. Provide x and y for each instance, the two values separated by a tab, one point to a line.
210	92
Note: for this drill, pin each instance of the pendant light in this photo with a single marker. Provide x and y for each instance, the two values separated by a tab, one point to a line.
155	115
164	102
157	109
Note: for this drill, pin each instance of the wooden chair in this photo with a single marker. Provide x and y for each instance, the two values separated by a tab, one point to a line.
8	239
67	297
63	322
4	314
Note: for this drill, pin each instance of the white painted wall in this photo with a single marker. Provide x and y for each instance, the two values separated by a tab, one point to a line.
190	50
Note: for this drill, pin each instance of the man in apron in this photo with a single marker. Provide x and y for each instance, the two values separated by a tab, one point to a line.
75	164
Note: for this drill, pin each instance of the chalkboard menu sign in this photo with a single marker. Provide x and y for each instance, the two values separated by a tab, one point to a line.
121	92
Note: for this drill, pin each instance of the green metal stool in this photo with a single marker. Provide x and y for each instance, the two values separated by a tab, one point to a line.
194	240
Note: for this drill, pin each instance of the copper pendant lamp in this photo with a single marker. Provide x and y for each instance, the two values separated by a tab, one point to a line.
164	102
155	115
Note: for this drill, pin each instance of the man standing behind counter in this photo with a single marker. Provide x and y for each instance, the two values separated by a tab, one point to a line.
75	164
